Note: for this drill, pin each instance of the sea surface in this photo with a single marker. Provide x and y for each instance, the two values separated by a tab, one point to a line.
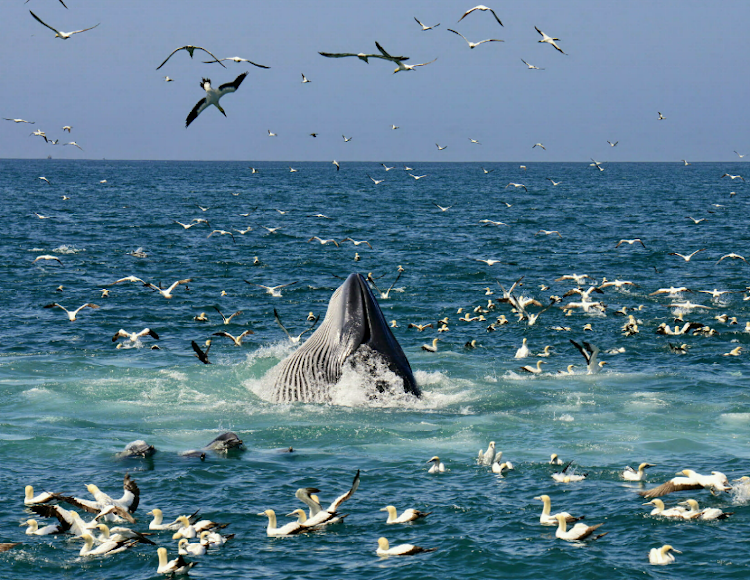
71	399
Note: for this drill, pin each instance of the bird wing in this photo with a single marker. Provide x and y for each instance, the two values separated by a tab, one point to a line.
496	18
497	40
44	23
669	487
190	49
342	498
131	494
233	86
342	54
423	64
585	354
385	55
202	356
466	14
454	32
278	321
53	511
84	30
197	110
170	54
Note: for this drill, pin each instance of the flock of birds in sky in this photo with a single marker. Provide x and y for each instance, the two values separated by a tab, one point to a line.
109	515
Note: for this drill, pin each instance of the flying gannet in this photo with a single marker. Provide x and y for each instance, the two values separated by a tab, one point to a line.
689	479
239	59
58	33
531	66
190	49
72	315
482	9
425	28
212	97
549	40
168	292
474	44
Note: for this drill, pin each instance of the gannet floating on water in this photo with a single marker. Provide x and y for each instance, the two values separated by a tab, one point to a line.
178	566
408	515
487	457
212	97
120	534
564	477
554	459
523	351
33	528
659	509
106	548
695	513
400	550
437	465
292	528
631	474
44	497
546	519
324	516
662	556
158	516
578	532
58	33
185	548
689	479
191	530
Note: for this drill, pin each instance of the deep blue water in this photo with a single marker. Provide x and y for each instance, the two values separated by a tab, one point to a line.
71	399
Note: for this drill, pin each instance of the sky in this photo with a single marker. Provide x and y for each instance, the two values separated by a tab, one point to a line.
625	62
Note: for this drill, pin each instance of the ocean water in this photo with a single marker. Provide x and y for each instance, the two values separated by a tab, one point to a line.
72	400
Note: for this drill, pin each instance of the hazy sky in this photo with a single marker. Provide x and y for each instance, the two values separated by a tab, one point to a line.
626	61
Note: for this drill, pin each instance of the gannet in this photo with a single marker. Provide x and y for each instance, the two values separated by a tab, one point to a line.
185	548
168	292
212	97
534	370
19	120
630	242
675	512
531	66
72	315
440	148
578	532
324	516
190	49
120	534
129	500
74	143
516	185
631	474
590	353
210	539
481	8
156	523
48	257
227	319
612	144
554	459
362	56
523	351
202	355
431	348
408	515
289	529
33	528
549	40
236	339
59	33
437	465
222	233
498	468
106	548
425	28
44	497
357	243
565	477
695	513
401	66
240	59
733	256
134	336
661	556
190	529
324	242
487	457
400	550
474	44
661	118
306	80
177	567
687	258
294	339
546	519
689	479
733	177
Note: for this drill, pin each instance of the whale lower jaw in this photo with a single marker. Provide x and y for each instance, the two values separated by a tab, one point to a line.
354	332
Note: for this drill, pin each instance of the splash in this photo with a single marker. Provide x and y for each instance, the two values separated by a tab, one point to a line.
65	249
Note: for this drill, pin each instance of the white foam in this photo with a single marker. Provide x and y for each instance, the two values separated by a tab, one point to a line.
565	417
65	249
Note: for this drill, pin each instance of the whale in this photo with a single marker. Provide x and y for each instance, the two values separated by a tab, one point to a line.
354	330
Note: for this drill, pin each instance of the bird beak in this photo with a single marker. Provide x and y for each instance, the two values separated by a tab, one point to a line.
678	551
381	509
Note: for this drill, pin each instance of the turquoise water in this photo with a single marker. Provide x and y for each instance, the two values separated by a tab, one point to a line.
72	400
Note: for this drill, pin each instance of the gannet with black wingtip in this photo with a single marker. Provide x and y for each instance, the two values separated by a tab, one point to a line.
274	291
190	529
733	177
227	319
59	33
659	509
400	550
134	336
534	370
212	97
432	347
590	353
547	519
630	242
531	66
324	516
549	40
104	549
177	567
401	66
474	44
482	9
565	477
290	529
240	59
158	517
662	556
294	339
168	292
707	514
33	528
236	339
44	497
48	258
190	49
72	315
554	459
120	534
631	474
578	532
19	120
688	479
408	515
437	465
